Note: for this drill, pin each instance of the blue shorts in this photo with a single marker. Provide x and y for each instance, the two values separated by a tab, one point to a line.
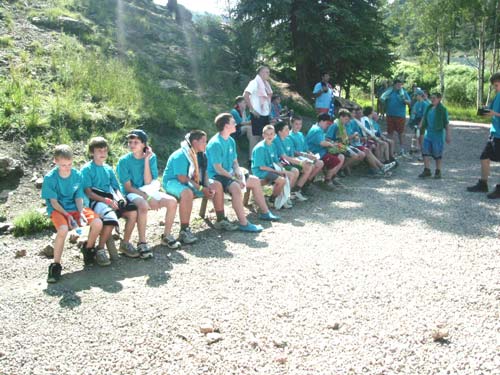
175	188
433	147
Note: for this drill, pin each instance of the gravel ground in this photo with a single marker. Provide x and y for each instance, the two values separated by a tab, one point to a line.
355	281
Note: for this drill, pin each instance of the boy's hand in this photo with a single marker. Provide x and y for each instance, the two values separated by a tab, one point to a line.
71	222
112	203
83	220
208	193
148	153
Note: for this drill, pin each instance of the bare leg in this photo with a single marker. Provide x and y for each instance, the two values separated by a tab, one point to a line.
218	199
105	235
142	217
130	220
485	169
439	164
237	201
292	176
317	168
185	206
306	172
279	183
253	183
170	203
62	232
95	229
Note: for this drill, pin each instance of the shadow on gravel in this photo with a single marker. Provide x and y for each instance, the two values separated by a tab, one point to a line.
108	278
443	205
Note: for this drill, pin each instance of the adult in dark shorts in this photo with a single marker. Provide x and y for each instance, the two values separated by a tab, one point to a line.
395	101
491	151
223	167
258	94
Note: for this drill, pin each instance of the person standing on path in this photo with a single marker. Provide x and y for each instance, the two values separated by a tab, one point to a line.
396	99
435	124
258	94
491	151
323	92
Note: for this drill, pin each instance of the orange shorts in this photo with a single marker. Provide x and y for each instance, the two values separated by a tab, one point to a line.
59	219
395	124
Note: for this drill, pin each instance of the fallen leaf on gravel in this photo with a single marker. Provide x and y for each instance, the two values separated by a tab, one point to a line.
213	337
281	360
20	253
206	326
334	326
48	251
279	343
73	237
440	334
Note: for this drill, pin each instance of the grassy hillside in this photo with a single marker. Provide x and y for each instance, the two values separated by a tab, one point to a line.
73	69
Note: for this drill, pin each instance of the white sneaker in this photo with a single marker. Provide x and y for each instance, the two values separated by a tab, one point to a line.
226	225
288	204
170	242
144	250
298	195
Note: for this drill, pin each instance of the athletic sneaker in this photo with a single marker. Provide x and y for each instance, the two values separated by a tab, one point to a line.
250	228
480	187
495	194
378	173
101	258
425	174
187	237
437	174
144	250
225	224
338	184
298	195
129	250
269	216
54	273
170	242
288	204
387	167
88	255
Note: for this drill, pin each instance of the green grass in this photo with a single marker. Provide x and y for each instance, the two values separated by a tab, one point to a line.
6	41
30	222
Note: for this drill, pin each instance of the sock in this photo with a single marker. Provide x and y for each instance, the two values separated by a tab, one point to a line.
220	215
184	226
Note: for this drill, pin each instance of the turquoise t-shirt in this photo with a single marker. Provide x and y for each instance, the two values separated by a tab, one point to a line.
495	120
299	141
325	99
430	132
221	151
395	104
331	132
238	118
177	165
263	155
314	137
101	177
418	109
352	127
284	146
65	190
131	169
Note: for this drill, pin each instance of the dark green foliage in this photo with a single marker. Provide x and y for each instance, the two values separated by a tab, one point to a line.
31	222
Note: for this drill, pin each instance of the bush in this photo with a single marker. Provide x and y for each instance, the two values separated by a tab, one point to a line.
6	41
31	222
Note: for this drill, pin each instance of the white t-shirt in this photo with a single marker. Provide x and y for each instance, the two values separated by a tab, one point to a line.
262	110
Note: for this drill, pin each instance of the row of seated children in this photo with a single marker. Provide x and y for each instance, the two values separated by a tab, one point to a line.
94	196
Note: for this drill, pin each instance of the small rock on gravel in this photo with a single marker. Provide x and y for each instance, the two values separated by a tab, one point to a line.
440	334
213	337
206	326
48	251
20	253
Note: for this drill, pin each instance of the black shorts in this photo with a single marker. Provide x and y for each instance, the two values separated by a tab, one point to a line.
491	150
226	181
258	124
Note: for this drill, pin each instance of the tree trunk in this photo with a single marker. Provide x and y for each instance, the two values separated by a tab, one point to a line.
441	57
480	68
302	65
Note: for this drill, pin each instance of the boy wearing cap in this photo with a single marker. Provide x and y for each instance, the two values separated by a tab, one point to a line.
223	167
185	177
435	124
138	172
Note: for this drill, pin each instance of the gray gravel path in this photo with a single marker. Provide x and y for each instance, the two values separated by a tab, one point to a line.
355	282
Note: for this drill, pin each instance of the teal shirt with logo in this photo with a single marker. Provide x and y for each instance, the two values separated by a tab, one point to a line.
263	155
65	190
299	141
314	137
221	151
131	169
101	177
284	147
177	165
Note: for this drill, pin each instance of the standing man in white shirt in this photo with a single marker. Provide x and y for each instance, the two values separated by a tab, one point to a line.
258	95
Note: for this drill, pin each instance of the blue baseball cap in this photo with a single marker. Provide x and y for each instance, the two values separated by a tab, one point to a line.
419	92
138	133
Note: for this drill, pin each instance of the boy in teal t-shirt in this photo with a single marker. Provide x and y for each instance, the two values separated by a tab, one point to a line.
63	193
186	178
300	146
435	124
103	190
223	166
138	172
264	158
